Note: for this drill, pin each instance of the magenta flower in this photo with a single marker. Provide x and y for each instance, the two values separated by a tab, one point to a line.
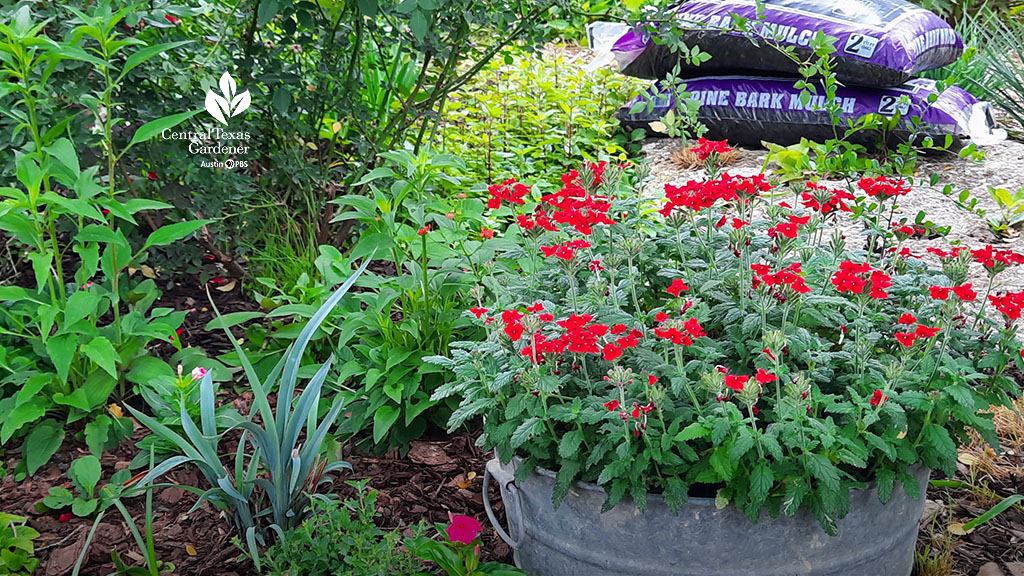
463	529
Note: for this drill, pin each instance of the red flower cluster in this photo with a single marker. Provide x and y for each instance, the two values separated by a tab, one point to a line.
539	218
883	187
789	229
1009	304
691	330
508	191
788	276
996	259
945	254
575	207
676	287
850	279
907	230
921	331
825	200
705	148
565	250
699	195
964	292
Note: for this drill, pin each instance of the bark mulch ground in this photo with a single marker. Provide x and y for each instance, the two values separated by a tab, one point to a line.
435	478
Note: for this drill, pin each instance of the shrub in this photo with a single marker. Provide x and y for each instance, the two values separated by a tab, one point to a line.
729	337
74	327
536	117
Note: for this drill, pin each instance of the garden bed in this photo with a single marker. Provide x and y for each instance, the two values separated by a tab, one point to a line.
423	486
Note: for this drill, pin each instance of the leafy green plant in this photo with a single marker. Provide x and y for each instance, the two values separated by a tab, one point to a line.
733	341
121	488
457	553
341	538
267	488
1011	211
17	551
991	67
536	117
418	220
68	337
85	473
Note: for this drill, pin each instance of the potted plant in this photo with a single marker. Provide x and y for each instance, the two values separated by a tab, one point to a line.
718	381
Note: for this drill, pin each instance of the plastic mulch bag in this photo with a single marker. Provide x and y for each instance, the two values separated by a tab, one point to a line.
880	42
746	110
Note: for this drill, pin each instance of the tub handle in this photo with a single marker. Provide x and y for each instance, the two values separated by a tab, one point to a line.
507	481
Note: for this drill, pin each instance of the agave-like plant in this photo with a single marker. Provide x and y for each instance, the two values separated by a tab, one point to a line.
270	464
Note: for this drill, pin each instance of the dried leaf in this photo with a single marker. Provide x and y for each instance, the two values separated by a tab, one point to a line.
957	529
227	287
190	549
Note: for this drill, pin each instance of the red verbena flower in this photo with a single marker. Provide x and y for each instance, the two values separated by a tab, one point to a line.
611	405
706	148
877	398
907	318
736	381
478	311
611	352
965	292
677	287
883	187
939	292
906	338
765	377
508	191
1009	304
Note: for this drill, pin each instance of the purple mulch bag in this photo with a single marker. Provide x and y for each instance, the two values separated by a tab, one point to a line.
746	110
880	42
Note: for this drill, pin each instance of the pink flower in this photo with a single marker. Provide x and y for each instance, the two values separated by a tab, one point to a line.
463	529
64	517
198	373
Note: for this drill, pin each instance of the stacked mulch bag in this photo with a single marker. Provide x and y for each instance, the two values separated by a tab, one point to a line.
750	97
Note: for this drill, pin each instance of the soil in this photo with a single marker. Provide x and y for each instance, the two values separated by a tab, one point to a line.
424	486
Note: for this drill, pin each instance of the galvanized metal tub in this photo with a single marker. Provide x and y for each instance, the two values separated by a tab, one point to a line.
577	539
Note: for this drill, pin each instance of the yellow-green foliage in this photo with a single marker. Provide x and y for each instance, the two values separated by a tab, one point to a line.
536	116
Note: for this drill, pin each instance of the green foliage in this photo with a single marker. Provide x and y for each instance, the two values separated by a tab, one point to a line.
76	325
340	538
17	551
114	494
407	309
536	117
85	474
992	67
458	555
266	488
344	82
996	510
1011	211
724	342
